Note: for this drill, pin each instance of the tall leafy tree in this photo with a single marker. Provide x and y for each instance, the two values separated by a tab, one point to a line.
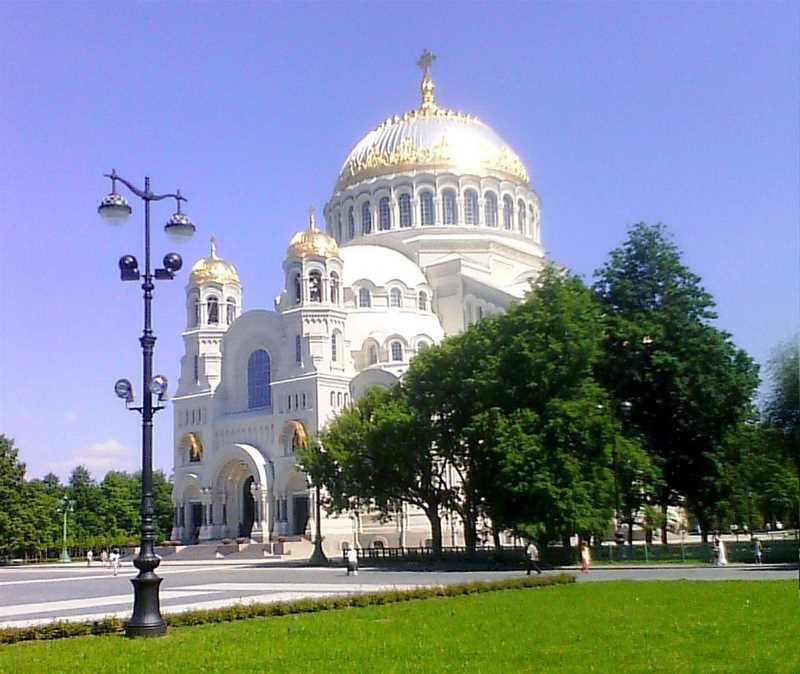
448	385
687	381
377	454
553	427
783	399
12	480
83	490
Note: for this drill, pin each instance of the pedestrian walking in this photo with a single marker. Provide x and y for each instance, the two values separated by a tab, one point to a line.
352	561
722	558
89	557
104	557
586	557
114	558
757	550
532	555
715	550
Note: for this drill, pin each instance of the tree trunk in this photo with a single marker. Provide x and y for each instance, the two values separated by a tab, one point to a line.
470	524
435	521
665	523
566	542
496	539
630	530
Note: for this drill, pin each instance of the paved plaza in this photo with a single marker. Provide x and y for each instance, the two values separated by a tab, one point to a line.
32	595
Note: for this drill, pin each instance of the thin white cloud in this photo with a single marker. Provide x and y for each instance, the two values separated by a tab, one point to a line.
99	458
70	417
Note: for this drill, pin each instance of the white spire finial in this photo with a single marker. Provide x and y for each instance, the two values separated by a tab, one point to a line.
312	220
213	246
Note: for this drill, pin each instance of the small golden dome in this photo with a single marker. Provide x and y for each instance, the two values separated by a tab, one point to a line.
312	242
213	268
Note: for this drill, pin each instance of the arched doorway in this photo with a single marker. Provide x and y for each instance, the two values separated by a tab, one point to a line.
248	509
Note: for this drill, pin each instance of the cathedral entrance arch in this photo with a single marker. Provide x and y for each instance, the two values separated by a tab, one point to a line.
248	508
240	484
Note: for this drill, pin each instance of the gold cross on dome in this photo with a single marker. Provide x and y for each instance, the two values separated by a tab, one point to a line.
312	220
213	246
425	62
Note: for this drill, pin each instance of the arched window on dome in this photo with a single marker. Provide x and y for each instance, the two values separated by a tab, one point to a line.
351	223
423	301
397	351
338	226
395	298
534	223
426	207
230	310
298	348
334	288
364	299
422	345
298	289
404	202
384	214
521	220
372	355
258	379
471	207
366	218
213	310
490	209
333	398
449	207
315	286
335	346
508	213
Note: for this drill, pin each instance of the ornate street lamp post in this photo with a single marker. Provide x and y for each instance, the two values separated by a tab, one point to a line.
67	506
318	557
146	619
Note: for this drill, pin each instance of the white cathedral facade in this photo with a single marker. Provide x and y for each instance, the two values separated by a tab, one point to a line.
432	225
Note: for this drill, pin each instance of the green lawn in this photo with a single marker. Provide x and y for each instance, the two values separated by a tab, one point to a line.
680	626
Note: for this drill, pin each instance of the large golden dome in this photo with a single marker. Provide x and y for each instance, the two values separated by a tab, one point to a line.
312	242
431	138
213	268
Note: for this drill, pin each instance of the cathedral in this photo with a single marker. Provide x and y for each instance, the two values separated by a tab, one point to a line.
431	226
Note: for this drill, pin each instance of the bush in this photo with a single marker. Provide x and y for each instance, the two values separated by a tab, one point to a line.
60	630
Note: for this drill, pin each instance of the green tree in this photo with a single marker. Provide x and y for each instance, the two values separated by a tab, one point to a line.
761	483
377	454
162	503
448	385
687	381
12	481
782	409
86	494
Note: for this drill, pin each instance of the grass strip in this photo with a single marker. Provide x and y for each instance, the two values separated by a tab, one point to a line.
619	627
65	629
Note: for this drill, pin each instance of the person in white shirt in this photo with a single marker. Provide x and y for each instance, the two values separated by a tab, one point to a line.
352	561
114	559
532	555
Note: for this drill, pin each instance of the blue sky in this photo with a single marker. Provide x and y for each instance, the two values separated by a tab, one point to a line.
683	113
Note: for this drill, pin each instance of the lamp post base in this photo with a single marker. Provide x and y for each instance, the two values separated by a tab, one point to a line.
65	558
318	557
146	620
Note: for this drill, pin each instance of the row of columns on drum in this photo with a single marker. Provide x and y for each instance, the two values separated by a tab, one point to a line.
214	507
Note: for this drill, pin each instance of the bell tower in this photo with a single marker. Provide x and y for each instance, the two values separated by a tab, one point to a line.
312	300
213	303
